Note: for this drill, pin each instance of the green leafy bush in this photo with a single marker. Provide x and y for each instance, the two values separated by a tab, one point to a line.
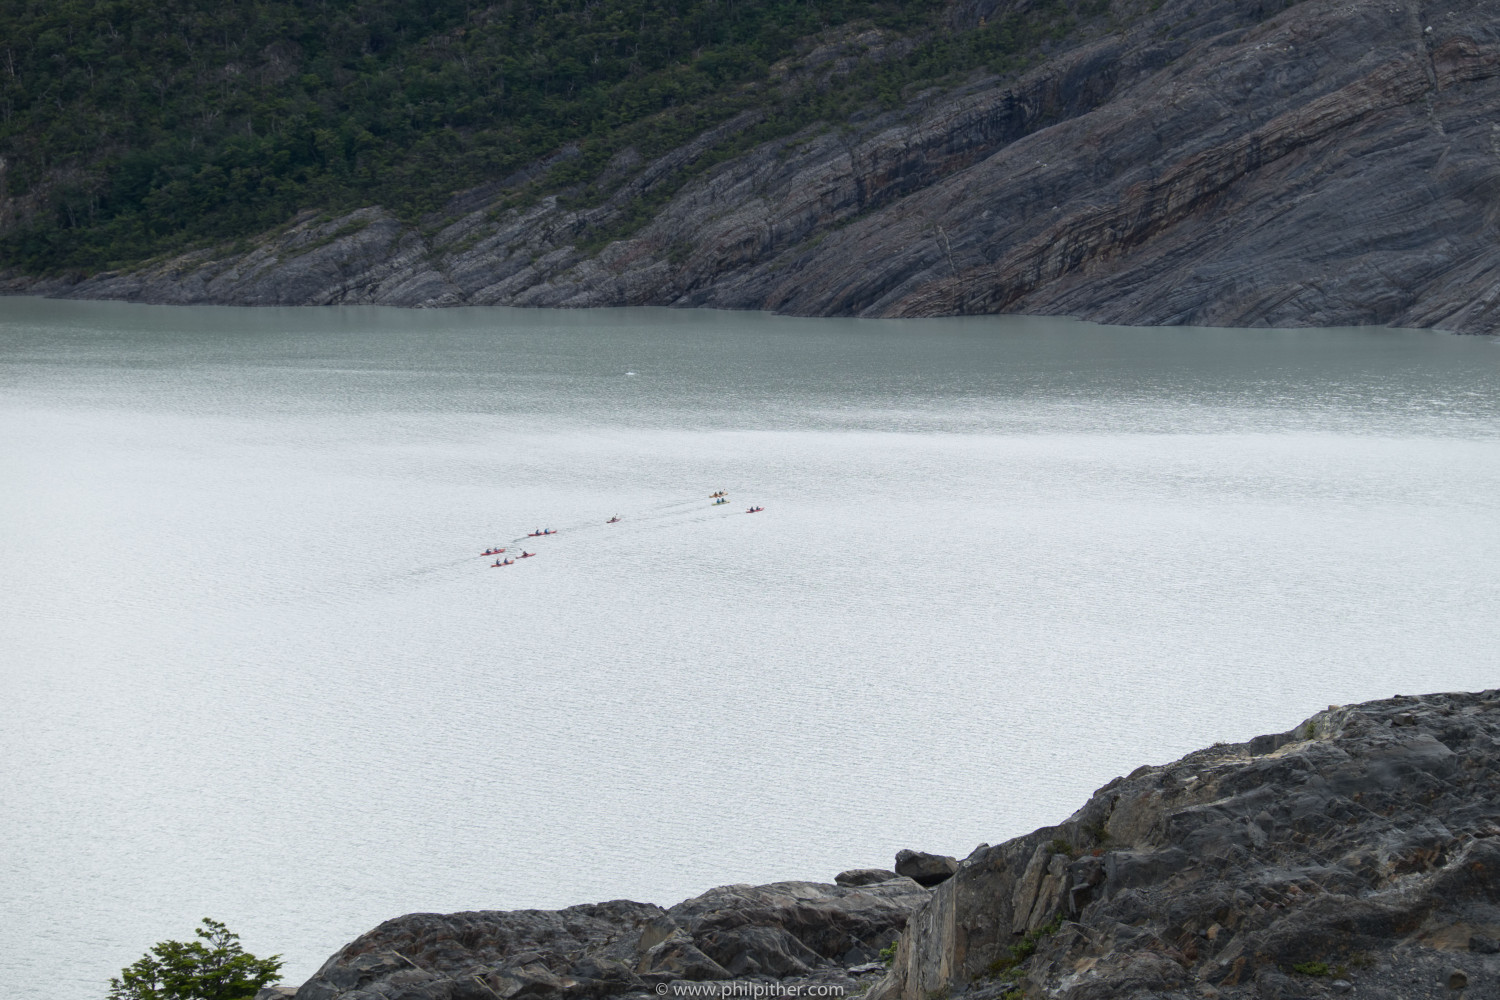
215	968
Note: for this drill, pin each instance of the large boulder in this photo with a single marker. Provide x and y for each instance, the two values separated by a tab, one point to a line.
926	869
1362	846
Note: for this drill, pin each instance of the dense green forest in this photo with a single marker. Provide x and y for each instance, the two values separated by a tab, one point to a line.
129	128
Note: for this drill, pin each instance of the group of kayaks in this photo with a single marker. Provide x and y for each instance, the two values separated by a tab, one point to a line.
722	497
718	498
497	550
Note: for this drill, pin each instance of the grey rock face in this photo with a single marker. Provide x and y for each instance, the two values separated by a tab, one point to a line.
925	869
1365	842
1218	162
429	955
790	929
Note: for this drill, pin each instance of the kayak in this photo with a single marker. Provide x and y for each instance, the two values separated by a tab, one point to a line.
613	520
754	510
508	562
492	552
539	534
525	555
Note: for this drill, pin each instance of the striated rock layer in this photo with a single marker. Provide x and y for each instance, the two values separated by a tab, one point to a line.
1217	162
1358	853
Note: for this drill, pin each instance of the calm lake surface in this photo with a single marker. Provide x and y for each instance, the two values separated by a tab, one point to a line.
254	667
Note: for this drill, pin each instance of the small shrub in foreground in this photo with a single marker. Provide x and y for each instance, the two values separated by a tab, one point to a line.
215	968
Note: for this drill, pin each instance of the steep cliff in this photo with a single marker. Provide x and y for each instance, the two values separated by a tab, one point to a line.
1217	162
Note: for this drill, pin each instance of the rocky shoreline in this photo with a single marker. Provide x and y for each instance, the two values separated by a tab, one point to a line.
1357	854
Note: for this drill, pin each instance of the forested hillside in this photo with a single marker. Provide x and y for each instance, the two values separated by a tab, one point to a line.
131	128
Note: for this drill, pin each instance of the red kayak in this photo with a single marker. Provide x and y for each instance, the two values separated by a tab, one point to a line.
754	510
525	555
539	534
508	562
613	520
492	552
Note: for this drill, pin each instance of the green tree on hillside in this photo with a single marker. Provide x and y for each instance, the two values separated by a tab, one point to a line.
136	128
216	970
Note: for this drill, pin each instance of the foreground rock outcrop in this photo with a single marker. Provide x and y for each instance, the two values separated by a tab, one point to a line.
1356	854
1359	851
791	929
1218	162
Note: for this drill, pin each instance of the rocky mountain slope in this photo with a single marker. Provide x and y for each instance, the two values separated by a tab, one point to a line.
1357	854
1219	162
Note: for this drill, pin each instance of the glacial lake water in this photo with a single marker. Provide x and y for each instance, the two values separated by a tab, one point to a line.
254	667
